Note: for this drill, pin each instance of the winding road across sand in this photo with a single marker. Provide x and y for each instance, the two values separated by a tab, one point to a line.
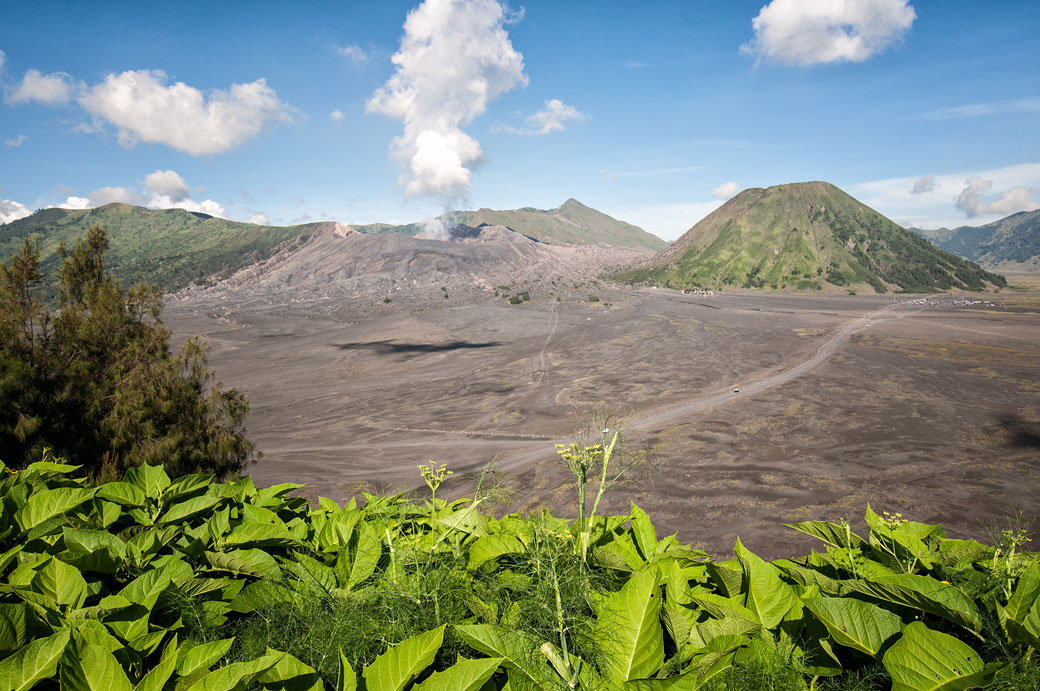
519	459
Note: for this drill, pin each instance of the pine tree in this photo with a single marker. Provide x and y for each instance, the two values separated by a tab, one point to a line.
96	381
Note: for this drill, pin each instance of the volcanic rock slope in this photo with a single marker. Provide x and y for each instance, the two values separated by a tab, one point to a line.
338	262
808	236
1010	244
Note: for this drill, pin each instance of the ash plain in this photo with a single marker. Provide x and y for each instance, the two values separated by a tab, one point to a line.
932	410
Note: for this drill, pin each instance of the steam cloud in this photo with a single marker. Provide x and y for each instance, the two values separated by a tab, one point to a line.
455	58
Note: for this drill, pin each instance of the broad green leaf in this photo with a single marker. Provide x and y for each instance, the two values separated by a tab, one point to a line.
337	530
643	533
809	577
728	580
963	553
146	588
491	547
290	674
923	593
14	626
202	656
366	556
468	520
187	486
854	623
704	633
346	679
50	503
150	479
34	662
831	533
628	629
464	675
260	535
246	562
91	631
677	616
766	595
1020	619
183	510
156	678
61	582
518	650
398	666
927	660
122	493
721	607
1027	591
311	572
96	551
92	668
236	676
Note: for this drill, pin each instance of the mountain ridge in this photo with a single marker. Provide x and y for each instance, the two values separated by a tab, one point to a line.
174	248
806	236
1011	243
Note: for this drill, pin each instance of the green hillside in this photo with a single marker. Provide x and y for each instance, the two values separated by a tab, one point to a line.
807	236
1010	244
573	223
169	247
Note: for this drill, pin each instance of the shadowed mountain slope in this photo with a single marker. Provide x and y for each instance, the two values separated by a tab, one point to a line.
807	236
1010	244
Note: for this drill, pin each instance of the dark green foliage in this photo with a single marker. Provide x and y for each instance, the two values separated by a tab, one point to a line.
187	575
96	382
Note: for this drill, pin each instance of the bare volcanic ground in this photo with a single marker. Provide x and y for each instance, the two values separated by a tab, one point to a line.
929	409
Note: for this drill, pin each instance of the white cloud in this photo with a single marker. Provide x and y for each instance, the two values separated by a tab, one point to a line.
356	54
923	185
3	58
145	109
337	115
163	189
666	221
108	195
258	219
167	183
969	110
455	58
972	199
725	190
46	88
937	207
73	202
11	210
809	32
548	119
16	141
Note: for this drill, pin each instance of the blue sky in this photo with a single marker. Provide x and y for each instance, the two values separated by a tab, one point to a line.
652	112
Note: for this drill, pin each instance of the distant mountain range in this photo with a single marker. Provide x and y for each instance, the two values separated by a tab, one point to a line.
1010	244
807	236
173	248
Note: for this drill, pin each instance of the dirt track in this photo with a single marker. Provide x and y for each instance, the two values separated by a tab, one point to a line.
930	410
